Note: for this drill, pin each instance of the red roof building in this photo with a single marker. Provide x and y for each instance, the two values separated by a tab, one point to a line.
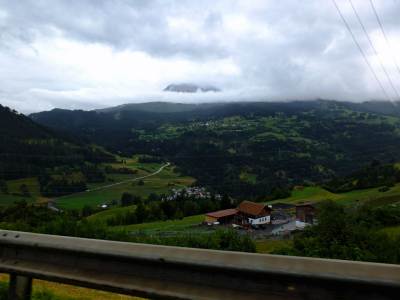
247	213
251	213
225	216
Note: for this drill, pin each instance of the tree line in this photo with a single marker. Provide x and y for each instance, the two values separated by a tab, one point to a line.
157	208
27	217
351	234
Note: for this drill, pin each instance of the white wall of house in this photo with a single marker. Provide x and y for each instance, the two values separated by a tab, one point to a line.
260	221
301	225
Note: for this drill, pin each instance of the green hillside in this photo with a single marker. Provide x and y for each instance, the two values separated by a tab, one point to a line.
187	223
317	194
247	150
160	183
15	194
107	214
314	194
393	231
27	148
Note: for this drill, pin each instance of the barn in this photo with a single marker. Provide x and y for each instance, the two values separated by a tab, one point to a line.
255	214
305	212
225	216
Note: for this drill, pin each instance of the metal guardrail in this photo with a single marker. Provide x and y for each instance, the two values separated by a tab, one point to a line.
183	273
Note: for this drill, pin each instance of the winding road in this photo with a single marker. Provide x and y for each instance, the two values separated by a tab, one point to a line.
52	203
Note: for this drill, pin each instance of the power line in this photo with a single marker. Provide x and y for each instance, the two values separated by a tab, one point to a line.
373	47
384	35
360	49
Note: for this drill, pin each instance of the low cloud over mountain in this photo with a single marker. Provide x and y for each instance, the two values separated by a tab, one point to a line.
190	88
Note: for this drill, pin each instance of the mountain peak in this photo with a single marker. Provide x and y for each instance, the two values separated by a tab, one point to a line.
190	88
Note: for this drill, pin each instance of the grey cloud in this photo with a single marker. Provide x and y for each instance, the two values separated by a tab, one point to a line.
138	25
291	49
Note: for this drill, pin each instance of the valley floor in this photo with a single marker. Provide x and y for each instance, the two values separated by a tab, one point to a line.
157	178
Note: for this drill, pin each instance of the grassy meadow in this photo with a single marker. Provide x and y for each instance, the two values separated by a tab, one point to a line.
104	215
14	191
269	245
392	231
158	184
97	195
317	194
186	224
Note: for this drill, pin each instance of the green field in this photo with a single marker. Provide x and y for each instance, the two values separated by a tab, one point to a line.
190	225
141	169
31	183
393	232
6	200
14	191
268	246
169	225
372	196
104	215
248	177
160	183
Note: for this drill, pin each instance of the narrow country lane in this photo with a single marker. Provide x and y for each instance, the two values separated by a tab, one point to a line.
52	203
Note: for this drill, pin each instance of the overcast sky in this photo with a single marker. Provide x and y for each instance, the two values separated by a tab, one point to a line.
92	53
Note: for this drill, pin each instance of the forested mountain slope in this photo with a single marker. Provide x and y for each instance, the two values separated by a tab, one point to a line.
27	148
246	149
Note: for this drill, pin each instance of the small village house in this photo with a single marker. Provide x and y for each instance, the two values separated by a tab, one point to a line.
305	212
253	214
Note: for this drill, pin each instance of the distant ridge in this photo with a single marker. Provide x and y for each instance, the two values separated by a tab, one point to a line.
151	107
190	88
161	107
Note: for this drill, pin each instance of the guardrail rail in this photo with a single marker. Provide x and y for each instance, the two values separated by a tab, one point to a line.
164	272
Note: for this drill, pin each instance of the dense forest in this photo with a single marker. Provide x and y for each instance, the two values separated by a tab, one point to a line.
373	175
62	163
247	150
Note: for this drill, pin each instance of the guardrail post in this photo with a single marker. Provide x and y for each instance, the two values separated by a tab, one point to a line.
20	287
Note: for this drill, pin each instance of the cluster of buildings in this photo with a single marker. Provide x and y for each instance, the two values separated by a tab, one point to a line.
251	214
246	214
195	193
